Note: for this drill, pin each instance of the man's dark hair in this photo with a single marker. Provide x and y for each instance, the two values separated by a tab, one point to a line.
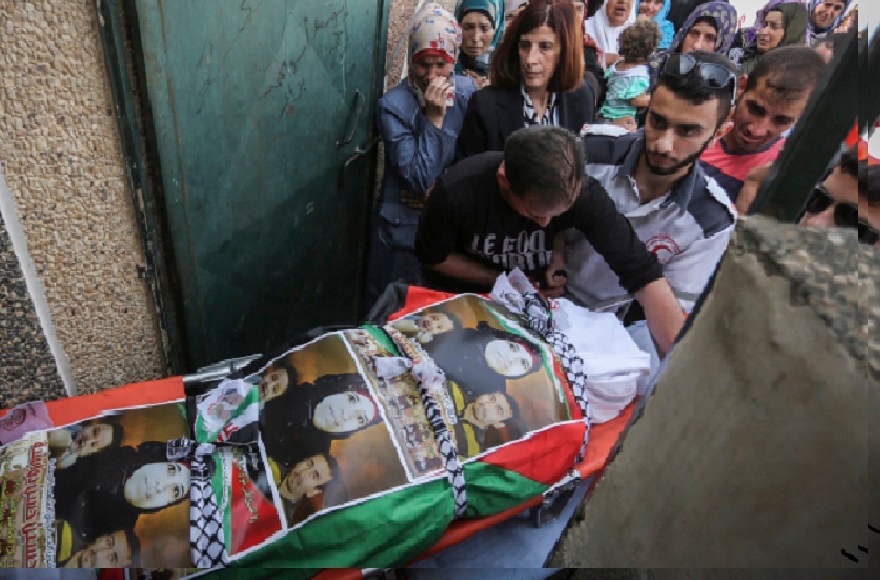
791	72
545	161
692	88
134	544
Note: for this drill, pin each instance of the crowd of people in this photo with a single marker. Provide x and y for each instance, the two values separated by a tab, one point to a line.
606	148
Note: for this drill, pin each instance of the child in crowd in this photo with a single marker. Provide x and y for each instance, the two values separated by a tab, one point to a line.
628	80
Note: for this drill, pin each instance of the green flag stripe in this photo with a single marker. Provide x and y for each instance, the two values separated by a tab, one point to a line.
492	489
378	533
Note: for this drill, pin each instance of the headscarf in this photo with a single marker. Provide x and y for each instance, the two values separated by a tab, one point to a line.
794	21
816	32
494	9
435	32
601	31
725	17
722	13
752	33
667	29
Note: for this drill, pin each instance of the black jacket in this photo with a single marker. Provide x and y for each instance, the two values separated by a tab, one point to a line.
494	113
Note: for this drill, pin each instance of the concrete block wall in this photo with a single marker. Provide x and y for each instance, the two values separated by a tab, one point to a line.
27	367
61	156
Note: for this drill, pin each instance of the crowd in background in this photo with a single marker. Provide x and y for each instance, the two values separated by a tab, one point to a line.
673	110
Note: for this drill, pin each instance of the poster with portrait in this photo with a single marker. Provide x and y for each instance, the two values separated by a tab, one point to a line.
500	382
118	499
399	396
25	510
323	431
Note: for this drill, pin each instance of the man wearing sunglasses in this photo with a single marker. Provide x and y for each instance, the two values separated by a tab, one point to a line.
679	213
775	95
848	198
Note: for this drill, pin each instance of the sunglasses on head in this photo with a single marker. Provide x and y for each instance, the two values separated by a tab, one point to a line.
712	75
846	215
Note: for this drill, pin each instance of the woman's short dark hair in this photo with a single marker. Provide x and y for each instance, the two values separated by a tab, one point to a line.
639	40
560	17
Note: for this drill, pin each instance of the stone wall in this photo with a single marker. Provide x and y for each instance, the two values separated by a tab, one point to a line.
62	160
757	449
27	367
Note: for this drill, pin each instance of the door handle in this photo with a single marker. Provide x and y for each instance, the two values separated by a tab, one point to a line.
359	151
362	103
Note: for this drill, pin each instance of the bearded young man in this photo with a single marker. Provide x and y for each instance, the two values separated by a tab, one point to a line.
654	179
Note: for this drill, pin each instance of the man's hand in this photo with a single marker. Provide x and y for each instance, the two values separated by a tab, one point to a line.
662	312
750	187
435	100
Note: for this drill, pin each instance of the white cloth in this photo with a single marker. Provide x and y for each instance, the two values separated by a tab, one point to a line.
601	31
613	363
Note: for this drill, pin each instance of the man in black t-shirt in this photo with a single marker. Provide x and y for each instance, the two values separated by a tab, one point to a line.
498	211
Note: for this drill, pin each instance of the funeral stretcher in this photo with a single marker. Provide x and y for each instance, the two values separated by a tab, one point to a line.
361	449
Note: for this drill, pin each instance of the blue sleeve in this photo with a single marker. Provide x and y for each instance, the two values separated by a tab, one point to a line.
415	149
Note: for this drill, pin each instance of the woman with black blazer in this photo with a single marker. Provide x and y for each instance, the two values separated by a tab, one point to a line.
537	78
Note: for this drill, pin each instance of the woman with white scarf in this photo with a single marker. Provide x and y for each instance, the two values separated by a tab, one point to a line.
607	23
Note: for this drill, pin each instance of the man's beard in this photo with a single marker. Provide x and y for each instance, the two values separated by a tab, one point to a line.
678	166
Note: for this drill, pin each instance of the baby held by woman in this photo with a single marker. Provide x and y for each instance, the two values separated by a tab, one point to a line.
629	78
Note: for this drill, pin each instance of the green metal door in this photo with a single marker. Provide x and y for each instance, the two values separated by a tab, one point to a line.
261	110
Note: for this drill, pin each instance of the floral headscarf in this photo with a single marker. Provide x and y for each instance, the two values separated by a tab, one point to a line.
435	32
667	29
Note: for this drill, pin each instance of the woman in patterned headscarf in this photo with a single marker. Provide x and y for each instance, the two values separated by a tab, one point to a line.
482	25
710	27
783	23
419	121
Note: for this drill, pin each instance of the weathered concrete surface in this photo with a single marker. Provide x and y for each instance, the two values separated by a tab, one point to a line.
754	449
63	163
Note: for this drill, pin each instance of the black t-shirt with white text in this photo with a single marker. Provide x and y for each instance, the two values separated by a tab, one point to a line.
466	214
